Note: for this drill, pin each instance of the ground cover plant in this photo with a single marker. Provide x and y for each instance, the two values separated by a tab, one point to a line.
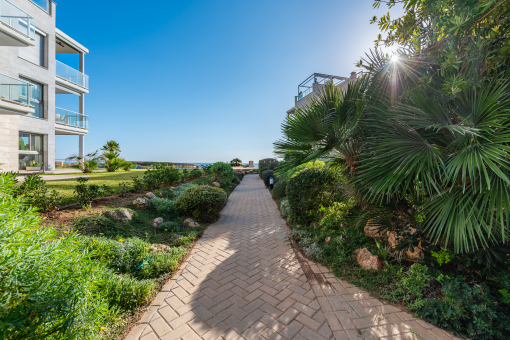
422	142
112	258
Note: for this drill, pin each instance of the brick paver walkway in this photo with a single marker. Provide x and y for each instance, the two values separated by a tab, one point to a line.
244	281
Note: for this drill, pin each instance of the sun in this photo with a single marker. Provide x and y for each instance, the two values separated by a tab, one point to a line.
394	58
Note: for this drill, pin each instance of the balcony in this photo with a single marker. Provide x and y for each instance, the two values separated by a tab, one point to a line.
71	77
70	118
17	28
15	95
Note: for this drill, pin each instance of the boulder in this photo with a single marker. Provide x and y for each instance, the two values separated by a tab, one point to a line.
190	223
160	247
121	214
371	230
392	239
141	202
416	254
157	221
327	239
284	208
216	184
150	195
367	260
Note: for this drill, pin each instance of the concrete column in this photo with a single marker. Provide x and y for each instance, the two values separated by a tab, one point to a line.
82	104
81	146
82	62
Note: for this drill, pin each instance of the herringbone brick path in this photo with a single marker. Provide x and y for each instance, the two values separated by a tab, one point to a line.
244	281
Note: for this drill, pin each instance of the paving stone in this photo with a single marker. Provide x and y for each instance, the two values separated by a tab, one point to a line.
242	280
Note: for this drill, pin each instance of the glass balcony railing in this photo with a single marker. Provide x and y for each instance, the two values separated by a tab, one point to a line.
304	93
15	90
71	118
44	4
70	74
17	19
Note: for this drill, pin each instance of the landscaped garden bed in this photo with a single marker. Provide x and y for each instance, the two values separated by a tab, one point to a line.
89	270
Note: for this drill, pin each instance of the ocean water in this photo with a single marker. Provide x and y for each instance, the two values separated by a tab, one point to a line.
200	164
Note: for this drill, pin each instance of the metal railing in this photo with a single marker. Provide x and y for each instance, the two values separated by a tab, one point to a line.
304	93
44	4
17	18
71	118
72	75
15	90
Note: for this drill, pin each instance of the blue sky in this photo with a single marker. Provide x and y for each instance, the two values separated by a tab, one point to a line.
204	81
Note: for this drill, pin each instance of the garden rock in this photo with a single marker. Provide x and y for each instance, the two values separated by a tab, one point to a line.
284	208
371	230
392	239
416	254
157	221
327	239
190	223
150	195
160	247
216	184
141	202
367	260
175	239
121	214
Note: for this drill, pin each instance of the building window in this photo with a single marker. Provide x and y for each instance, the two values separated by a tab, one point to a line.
41	47
36	98
30	149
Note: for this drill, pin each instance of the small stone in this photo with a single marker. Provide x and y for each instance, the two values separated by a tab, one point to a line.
121	214
160	247
150	195
216	184
327	239
157	221
141	202
190	223
367	260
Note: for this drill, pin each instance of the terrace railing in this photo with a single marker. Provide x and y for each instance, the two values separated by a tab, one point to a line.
17	19
70	118
15	90
72	75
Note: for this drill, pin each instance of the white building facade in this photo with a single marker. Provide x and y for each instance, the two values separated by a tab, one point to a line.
30	79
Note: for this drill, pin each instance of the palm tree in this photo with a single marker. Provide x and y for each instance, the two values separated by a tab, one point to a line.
236	162
431	157
88	163
111	153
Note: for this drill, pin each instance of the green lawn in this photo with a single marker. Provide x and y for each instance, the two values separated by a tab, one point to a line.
66	187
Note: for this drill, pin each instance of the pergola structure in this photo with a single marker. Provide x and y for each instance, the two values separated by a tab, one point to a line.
306	86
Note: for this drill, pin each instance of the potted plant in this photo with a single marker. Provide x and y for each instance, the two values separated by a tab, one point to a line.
34	166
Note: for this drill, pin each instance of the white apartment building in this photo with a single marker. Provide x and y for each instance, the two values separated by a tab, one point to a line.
312	85
30	80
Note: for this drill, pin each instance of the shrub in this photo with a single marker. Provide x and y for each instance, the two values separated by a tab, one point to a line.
178	190
202	202
195	173
472	311
164	206
272	165
85	194
172	227
412	284
310	189
266	176
124	291
223	172
34	190
284	208
94	223
336	214
279	189
46	286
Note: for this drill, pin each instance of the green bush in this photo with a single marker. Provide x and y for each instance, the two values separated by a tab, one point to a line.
34	190
223	172
273	165
203	202
264	165
178	190
125	292
279	189
310	189
266	176
336	214
46	286
164	207
472	311
85	194
94	223
159	175
172	227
